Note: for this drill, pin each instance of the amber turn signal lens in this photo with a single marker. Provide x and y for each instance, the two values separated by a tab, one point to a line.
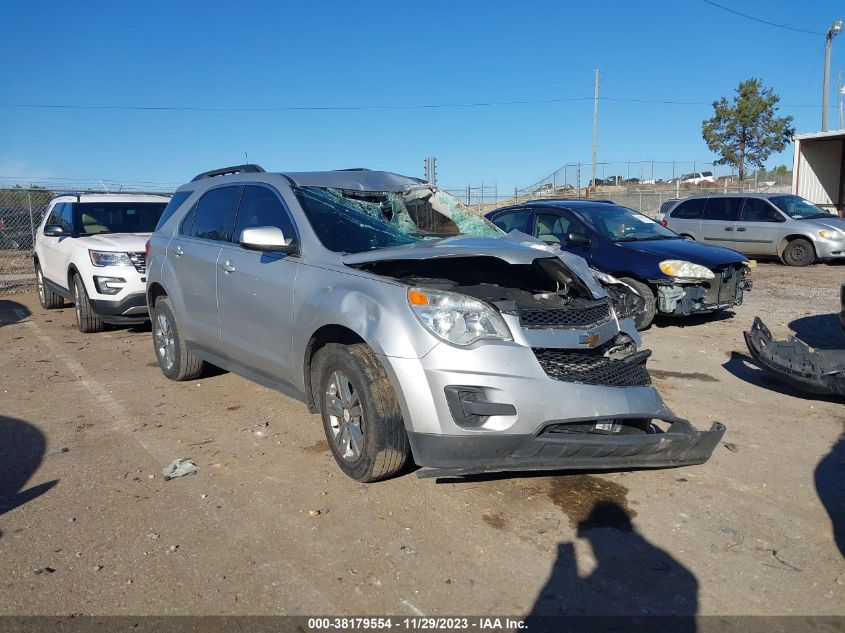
417	298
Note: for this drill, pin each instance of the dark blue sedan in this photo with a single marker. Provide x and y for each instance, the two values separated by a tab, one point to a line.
674	275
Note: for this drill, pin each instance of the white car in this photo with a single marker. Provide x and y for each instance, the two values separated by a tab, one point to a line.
90	249
698	177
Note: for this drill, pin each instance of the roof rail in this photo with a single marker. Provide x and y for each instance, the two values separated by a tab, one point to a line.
237	169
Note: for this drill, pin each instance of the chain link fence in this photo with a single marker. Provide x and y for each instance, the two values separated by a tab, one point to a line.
21	212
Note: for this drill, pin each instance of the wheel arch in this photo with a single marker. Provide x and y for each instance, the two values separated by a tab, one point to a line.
332	333
784	242
155	291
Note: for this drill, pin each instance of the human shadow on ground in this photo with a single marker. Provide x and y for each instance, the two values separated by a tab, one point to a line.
634	585
22	448
830	486
12	312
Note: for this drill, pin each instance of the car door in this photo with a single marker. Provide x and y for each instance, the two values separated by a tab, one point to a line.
57	250
255	289
758	228
193	255
719	220
685	219
556	227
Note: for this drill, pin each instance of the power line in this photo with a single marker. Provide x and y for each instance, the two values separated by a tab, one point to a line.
422	106
751	17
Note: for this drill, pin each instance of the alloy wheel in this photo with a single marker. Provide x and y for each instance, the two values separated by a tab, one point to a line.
164	341
346	416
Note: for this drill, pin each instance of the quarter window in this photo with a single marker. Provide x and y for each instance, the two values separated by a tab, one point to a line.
214	214
66	217
261	207
722	209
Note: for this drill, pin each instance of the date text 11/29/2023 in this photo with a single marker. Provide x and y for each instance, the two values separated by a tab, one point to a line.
417	623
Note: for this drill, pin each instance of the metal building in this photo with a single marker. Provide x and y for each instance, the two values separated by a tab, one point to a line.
818	169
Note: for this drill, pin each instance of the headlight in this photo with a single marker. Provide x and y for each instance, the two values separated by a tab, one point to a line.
685	270
456	318
108	258
832	234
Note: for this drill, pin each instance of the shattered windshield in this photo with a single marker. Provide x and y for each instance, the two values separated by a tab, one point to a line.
620	224
348	225
797	208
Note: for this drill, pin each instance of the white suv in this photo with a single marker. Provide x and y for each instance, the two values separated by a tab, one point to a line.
91	249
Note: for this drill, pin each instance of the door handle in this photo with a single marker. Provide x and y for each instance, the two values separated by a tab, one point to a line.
178	251
729	228
227	267
742	228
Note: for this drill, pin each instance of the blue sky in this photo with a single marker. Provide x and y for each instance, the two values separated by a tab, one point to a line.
275	54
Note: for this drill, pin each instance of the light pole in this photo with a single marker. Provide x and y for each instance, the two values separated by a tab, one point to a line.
832	32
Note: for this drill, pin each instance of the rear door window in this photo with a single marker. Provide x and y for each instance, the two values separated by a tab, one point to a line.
689	210
722	209
514	220
260	206
215	213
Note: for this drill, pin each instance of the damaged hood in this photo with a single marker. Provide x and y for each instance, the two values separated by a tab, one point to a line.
514	248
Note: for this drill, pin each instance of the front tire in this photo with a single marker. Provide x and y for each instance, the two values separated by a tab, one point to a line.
360	412
86	319
48	299
174	359
644	318
799	252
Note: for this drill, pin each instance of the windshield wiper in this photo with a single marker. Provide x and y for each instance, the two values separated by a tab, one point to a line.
816	216
644	239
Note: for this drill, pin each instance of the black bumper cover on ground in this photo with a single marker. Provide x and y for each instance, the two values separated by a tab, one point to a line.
458	456
796	363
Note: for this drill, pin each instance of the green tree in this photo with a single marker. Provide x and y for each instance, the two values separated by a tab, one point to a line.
746	131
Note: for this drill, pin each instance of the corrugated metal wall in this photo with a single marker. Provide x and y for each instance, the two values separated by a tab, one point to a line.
819	171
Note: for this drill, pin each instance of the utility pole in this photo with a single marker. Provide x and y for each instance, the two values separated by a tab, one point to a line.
595	125
839	95
832	32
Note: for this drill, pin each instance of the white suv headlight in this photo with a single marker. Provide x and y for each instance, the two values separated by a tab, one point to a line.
109	258
685	270
456	318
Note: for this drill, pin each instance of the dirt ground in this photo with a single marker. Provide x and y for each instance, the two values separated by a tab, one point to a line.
270	525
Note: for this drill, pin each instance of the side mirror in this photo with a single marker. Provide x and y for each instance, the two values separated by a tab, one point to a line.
53	230
578	239
268	239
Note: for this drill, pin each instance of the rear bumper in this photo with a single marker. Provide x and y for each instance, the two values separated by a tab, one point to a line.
132	309
457	456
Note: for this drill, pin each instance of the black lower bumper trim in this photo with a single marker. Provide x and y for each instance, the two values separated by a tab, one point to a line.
461	455
113	311
795	363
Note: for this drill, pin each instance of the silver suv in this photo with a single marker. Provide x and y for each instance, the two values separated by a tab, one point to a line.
773	224
465	354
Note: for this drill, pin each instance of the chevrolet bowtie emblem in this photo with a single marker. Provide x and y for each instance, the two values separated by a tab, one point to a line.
590	340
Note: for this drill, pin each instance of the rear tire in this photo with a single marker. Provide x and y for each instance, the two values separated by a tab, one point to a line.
361	415
86	319
644	318
174	359
48	299
799	252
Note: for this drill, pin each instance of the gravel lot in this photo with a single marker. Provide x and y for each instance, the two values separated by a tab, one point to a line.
270	525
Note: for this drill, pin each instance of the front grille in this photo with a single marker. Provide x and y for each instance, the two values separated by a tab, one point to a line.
140	261
590	368
566	317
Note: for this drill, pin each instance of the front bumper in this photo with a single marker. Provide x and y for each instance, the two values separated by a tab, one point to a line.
725	291
457	456
129	310
829	249
795	363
